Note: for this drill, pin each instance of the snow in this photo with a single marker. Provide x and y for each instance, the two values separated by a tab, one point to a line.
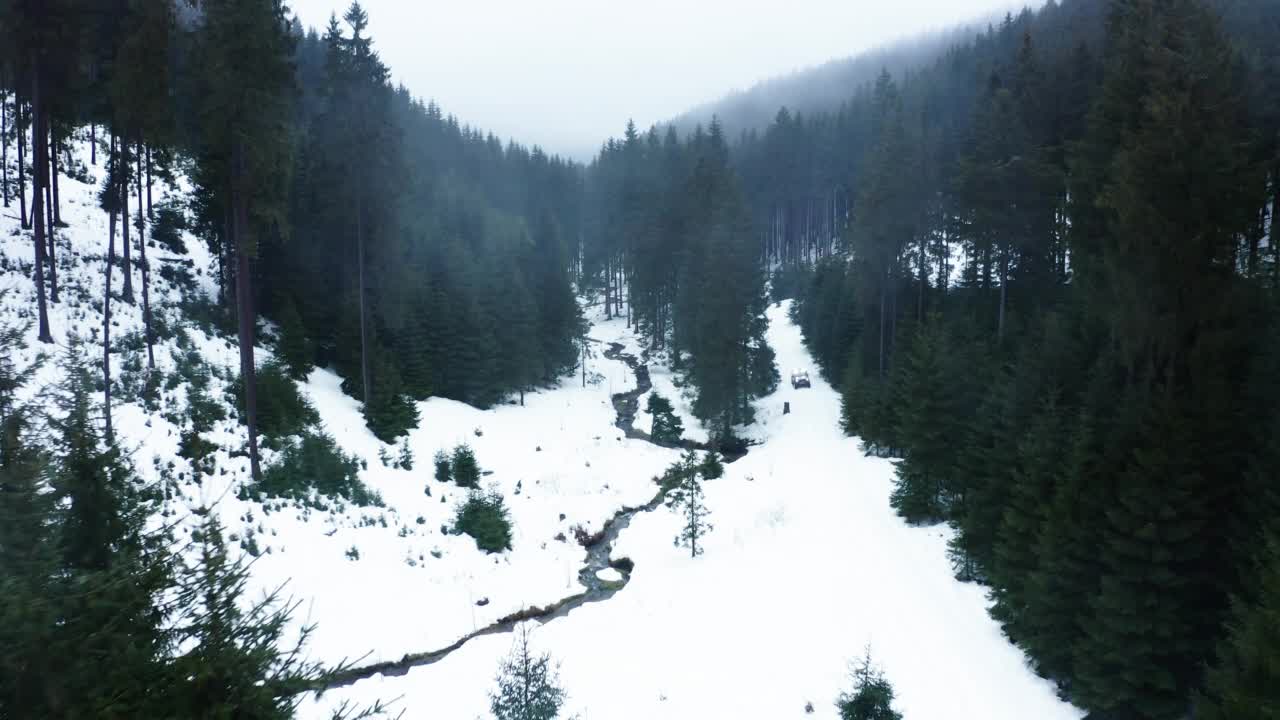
807	563
610	575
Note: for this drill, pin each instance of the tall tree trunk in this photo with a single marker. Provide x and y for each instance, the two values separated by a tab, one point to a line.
883	280
22	163
364	330
608	299
244	308
51	253
126	290
37	206
53	163
227	235
4	146
106	304
146	271
93	143
1004	294
151	217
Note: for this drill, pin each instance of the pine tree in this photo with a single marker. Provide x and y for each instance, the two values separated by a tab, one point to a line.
667	426
685	497
466	471
924	428
1016	556
711	468
528	684
871	697
443	467
1244	682
295	347
485	518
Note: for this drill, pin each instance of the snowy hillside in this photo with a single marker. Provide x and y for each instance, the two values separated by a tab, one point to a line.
806	565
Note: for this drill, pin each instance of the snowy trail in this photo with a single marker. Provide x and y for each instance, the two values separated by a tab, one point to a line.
806	566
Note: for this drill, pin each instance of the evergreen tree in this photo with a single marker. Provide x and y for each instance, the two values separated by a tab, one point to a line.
528	684
923	425
685	497
871	697
1244	683
485	518
466	471
443	466
667	426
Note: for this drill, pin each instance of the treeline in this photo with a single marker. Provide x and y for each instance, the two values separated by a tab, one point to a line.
1060	310
802	172
669	241
418	256
102	612
424	258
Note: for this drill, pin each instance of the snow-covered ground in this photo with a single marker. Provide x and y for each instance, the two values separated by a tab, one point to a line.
559	461
806	566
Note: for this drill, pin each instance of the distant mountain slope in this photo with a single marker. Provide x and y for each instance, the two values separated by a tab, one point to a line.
825	86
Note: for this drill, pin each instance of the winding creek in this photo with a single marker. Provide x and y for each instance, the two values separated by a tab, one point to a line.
599	549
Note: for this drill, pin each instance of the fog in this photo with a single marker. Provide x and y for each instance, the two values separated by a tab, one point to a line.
566	74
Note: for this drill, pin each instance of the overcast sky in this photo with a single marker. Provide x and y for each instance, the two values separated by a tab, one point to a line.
566	74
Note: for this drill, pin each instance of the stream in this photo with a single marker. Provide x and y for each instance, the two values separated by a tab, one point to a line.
599	549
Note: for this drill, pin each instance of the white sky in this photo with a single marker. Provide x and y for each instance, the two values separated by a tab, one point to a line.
566	74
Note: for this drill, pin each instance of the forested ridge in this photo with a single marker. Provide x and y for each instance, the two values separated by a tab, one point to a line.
1041	270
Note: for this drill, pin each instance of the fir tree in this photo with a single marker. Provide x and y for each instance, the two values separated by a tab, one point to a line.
528	684
466	471
685	497
443	467
484	517
1244	682
667	426
871	697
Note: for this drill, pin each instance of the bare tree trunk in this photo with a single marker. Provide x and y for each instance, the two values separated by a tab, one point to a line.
364	331
1004	295
4	146
608	298
51	253
227	234
924	279
93	143
106	305
22	163
123	160
150	214
146	274
53	162
37	208
244	310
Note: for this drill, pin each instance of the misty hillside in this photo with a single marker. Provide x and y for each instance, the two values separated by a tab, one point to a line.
825	86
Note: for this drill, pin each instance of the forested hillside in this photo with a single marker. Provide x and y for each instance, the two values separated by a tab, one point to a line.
350	225
1042	271
669	240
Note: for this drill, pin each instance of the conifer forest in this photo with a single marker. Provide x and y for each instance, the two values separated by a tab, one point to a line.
937	380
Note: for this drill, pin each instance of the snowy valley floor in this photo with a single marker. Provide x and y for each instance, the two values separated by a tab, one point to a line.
806	566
